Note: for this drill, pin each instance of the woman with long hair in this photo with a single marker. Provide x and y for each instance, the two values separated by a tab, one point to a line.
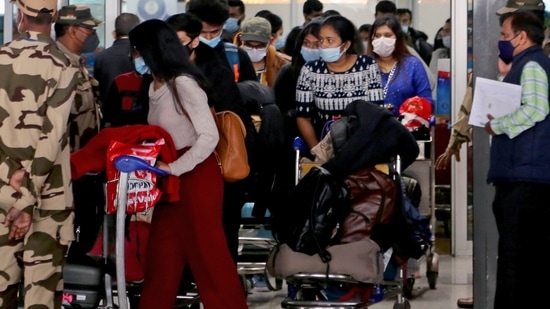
403	75
342	75
188	231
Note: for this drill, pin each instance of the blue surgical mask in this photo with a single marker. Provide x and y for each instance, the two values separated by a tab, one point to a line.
365	44
331	54
280	44
213	42
231	24
405	28
140	66
310	54
506	50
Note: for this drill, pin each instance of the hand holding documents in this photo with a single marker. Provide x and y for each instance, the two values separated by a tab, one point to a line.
495	98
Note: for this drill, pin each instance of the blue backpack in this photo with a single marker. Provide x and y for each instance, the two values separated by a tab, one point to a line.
232	54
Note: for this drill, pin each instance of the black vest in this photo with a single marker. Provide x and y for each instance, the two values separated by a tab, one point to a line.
525	157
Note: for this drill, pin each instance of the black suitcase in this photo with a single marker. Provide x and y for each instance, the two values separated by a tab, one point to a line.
83	286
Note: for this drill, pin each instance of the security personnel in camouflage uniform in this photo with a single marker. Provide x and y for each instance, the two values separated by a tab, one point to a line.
37	87
75	34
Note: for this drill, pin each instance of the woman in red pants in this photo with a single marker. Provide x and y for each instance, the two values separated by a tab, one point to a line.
188	231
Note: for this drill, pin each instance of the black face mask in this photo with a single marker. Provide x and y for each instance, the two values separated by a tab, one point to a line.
91	43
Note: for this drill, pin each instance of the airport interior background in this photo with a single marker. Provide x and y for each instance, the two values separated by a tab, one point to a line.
447	195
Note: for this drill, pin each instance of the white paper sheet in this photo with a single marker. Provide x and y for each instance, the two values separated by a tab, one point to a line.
495	98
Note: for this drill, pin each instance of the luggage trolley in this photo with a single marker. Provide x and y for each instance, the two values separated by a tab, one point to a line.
402	287
417	170
127	164
317	289
85	289
255	244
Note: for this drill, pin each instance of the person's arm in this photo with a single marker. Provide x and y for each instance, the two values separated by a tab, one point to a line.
305	102
462	131
534	103
52	140
195	102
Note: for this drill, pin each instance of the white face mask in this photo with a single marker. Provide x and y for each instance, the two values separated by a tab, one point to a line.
383	46
446	41
255	54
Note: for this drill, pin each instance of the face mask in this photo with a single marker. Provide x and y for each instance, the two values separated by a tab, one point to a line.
213	42
280	44
506	50
331	54
140	66
405	29
231	25
365	44
310	54
383	47
446	41
255	54
91	43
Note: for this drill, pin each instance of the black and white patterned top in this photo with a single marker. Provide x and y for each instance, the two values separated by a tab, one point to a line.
322	94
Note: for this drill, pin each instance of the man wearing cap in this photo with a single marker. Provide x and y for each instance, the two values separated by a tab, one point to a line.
36	202
75	34
255	38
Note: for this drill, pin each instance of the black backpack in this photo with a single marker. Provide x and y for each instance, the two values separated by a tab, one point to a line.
306	223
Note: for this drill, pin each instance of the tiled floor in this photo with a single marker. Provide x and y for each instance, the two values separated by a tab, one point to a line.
454	281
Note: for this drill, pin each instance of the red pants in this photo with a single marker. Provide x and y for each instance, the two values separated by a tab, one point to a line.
190	231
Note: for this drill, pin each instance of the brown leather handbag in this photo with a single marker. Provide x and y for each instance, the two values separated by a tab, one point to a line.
231	149
373	197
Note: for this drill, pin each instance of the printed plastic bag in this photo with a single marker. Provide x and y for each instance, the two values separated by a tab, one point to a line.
142	191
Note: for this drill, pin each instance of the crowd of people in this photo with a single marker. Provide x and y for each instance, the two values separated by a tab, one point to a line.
171	74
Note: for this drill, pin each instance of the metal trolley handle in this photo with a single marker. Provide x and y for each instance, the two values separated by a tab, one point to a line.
126	164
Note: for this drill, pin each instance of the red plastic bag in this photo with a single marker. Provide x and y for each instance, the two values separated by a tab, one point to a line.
415	112
142	193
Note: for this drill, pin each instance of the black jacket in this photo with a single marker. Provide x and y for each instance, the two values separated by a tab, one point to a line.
110	63
377	137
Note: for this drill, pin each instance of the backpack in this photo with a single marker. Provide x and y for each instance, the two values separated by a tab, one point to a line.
307	221
232	54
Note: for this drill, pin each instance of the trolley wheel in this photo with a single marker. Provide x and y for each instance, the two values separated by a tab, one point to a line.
408	286
402	305
432	278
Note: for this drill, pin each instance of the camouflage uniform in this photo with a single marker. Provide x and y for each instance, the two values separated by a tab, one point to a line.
85	112
37	88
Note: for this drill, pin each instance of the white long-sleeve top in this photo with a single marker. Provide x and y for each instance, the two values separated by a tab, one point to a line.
201	133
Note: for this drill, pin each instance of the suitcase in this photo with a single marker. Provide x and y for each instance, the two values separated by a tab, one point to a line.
82	285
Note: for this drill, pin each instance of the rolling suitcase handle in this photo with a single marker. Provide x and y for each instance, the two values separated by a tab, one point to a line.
126	164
